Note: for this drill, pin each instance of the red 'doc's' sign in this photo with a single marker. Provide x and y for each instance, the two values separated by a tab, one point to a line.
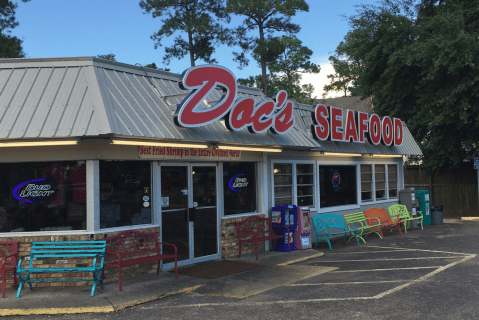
275	115
331	123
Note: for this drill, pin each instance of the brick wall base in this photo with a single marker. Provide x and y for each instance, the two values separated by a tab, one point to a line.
229	239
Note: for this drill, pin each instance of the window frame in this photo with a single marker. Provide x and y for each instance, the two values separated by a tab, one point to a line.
386	173
294	180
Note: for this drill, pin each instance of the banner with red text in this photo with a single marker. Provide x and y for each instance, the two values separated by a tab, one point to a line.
210	154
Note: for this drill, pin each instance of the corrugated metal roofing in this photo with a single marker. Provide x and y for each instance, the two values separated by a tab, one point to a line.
88	97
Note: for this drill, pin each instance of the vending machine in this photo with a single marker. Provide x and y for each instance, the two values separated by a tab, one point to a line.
423	204
407	197
302	234
285	216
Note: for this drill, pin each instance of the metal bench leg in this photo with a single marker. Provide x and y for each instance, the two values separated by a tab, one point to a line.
4	280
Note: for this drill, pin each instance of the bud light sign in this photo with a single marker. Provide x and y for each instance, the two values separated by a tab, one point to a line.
238	182
35	191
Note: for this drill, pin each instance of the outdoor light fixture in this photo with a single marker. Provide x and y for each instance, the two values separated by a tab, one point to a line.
341	154
387	155
250	149
39	143
157	144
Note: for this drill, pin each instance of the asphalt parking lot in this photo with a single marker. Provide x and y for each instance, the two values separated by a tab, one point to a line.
424	274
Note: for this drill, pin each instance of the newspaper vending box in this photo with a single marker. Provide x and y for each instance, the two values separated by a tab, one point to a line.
284	216
302	234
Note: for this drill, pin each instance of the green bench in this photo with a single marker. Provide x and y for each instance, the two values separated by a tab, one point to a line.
404	215
365	226
86	256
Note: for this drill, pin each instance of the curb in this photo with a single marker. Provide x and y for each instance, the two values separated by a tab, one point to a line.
54	311
470	218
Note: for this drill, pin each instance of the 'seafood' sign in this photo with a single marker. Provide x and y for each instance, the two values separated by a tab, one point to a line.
150	152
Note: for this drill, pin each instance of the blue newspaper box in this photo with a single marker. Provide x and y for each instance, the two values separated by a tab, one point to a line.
285	216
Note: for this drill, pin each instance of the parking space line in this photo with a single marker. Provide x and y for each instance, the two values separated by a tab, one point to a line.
344	283
396	259
385	293
415	249
360	252
386	269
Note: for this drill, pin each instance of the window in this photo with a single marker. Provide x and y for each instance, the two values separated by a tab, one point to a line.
337	186
239	184
366	182
125	193
43	196
385	182
298	190
380	181
393	180
305	184
283	184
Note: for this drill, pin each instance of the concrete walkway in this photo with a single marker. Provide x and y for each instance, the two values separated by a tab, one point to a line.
278	270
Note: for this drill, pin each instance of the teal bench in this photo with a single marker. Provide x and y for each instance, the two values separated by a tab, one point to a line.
87	256
330	224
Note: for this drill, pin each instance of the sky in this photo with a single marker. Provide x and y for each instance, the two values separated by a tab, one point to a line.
59	28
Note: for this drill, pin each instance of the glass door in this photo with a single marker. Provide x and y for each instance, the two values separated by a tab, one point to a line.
189	212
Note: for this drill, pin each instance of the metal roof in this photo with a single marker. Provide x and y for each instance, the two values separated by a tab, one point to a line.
90	97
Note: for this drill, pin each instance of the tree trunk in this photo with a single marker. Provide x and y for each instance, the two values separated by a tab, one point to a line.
192	54
263	63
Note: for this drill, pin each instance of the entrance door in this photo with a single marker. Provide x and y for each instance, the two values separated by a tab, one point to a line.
189	212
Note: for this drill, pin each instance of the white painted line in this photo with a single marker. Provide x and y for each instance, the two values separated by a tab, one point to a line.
398	259
424	250
344	283
360	252
391	269
385	293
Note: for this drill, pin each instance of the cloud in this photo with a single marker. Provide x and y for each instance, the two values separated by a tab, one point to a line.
320	80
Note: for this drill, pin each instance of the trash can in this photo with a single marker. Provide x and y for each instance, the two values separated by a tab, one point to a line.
436	214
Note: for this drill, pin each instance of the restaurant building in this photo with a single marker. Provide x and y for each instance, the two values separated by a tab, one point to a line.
90	147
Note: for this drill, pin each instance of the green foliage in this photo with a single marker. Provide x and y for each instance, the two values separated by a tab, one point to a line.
344	77
198	19
298	92
109	56
421	62
268	17
293	60
154	66
10	46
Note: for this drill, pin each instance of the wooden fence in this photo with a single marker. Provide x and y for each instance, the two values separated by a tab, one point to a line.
456	190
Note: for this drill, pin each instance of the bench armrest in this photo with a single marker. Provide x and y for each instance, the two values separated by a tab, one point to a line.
3	259
419	213
372	220
170	244
113	254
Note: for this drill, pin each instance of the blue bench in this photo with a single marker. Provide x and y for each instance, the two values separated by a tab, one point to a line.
64	253
330	224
